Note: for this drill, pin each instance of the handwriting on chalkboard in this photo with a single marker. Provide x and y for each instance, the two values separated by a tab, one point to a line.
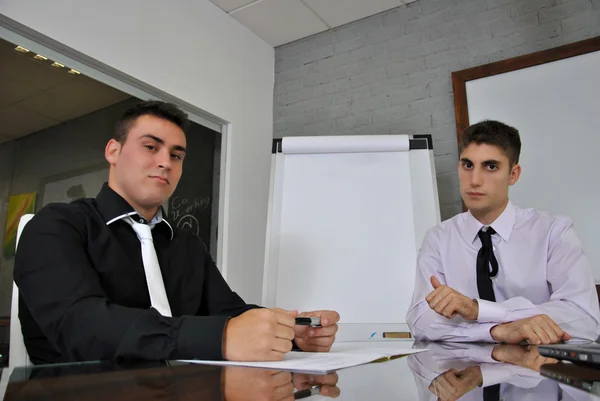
182	212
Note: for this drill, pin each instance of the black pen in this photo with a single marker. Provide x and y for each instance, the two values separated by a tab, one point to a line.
308	321
307	392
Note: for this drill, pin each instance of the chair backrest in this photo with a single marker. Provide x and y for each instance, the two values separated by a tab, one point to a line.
17	355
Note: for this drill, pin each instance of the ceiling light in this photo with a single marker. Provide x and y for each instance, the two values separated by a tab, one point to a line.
57	65
74	72
40	57
21	49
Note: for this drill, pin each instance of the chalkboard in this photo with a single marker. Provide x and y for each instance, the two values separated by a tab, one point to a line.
190	205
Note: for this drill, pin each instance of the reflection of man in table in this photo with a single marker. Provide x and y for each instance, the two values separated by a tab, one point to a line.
162	380
452	371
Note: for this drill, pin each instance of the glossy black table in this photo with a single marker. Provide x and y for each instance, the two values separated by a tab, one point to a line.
447	371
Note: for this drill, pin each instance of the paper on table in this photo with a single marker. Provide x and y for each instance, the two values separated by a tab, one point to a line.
320	362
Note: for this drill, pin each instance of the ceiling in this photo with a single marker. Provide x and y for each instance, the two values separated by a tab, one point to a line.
36	96
282	21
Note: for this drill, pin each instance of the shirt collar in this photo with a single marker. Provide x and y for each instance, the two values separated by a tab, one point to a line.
503	225
113	207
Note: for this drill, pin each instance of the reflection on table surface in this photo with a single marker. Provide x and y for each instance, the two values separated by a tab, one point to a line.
447	371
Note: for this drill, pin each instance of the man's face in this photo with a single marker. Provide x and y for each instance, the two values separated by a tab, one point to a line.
485	174
145	169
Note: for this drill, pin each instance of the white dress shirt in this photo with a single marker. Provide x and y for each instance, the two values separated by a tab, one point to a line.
542	270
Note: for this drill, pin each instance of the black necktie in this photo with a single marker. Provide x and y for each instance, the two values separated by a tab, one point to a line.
485	258
491	393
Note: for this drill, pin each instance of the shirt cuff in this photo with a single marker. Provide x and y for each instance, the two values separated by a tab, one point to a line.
480	332
491	312
201	337
495	373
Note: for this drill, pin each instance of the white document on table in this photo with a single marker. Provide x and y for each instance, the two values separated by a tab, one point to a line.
320	362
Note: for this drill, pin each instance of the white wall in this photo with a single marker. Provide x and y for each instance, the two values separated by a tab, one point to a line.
192	50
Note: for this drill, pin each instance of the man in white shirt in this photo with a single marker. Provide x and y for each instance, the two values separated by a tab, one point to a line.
498	272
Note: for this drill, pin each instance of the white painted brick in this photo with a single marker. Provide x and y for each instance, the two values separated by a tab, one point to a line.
433	6
576	22
526	6
489	46
353	68
320	102
443	117
425	22
354	94
390	114
491	4
385	33
439	87
289	86
426	48
430	104
353	121
335	86
389	86
319	128
465	9
369	76
401	15
411	124
563	11
501	12
545	31
428	75
445	148
468	62
288	63
373	102
446	163
405	67
576	36
293	49
323	39
300	95
332	112
509	25
448	181
291	110
319	78
445	57
318	54
404	41
368	51
350	44
408	95
298	72
528	48
333	61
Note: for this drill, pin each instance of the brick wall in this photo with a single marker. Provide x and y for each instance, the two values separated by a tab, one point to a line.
390	73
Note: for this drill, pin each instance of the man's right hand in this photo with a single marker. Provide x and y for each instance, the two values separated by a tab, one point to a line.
452	384
536	330
259	335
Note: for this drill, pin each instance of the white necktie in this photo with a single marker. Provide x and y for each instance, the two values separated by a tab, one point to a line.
156	285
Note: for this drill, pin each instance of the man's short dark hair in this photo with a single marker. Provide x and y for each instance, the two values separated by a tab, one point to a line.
494	133
156	108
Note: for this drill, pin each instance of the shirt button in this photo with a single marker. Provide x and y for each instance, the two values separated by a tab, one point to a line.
142	220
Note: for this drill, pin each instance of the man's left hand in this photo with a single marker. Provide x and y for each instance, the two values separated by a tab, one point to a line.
317	339
448	302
